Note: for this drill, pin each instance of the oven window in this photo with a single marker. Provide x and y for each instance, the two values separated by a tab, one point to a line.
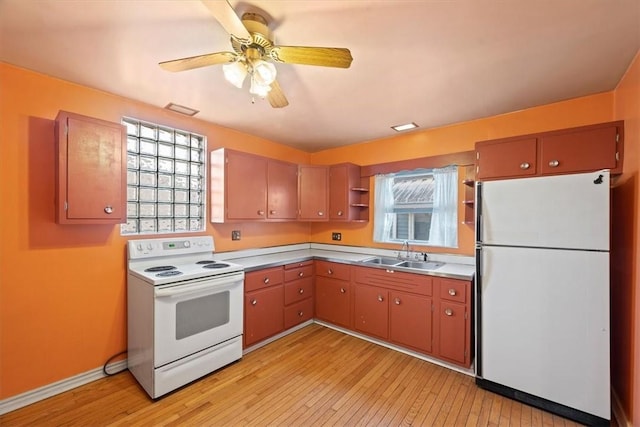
201	314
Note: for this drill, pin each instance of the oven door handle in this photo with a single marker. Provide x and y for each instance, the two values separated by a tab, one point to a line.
185	289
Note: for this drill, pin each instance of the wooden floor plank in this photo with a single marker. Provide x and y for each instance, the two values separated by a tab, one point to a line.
314	377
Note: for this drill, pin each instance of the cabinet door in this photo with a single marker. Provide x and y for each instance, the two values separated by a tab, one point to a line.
372	311
506	158
411	321
91	181
263	314
313	193
282	190
580	151
246	186
453	338
333	301
298	313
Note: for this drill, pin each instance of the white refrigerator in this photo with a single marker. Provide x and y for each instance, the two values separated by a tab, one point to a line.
542	292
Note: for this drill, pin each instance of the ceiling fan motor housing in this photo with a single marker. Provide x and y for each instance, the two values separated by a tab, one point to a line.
260	37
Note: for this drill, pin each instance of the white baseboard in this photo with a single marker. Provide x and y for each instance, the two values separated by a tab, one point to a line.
618	412
38	394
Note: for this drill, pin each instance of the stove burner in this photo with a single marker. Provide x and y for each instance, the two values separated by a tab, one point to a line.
207	261
216	265
169	273
160	268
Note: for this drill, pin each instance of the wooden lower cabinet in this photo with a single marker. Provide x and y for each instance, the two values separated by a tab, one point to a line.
263	314
333	301
410	322
453	319
298	293
371	310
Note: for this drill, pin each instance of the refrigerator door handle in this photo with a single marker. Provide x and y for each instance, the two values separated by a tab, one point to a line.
479	212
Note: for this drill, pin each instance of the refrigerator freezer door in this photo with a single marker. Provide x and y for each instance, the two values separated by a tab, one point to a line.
544	324
564	211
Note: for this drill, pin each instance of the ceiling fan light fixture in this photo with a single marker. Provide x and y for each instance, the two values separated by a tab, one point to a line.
264	73
258	89
235	73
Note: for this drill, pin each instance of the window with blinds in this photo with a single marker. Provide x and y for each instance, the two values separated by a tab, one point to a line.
165	179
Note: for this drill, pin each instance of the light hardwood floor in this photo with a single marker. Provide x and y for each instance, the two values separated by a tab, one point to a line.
315	376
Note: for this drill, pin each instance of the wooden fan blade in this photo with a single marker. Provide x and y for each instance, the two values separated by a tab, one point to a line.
276	97
323	56
227	17
198	61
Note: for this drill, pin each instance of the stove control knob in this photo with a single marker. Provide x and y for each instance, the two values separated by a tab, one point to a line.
187	243
150	246
139	247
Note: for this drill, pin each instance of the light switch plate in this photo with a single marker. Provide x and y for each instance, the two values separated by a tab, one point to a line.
336	236
235	234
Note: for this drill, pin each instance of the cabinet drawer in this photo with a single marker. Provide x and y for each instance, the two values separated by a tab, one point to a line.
298	313
453	290
332	269
393	279
262	278
298	273
298	290
298	264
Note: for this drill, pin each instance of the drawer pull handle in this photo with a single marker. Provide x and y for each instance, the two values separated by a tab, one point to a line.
390	271
266	280
320	213
452	292
448	312
301	291
272	212
300	313
343	290
397	301
260	212
380	298
300	274
108	210
554	163
339	213
524	165
254	301
329	271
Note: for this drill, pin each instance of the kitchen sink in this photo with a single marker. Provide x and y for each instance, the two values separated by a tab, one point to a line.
421	265
382	261
408	264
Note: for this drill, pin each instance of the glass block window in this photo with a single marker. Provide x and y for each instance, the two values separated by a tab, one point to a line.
165	179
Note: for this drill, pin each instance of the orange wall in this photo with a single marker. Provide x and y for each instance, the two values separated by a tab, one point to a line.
450	139
625	265
63	288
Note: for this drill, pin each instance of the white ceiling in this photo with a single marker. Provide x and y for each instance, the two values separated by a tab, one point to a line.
433	62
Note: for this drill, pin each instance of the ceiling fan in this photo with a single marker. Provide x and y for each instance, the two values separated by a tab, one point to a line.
254	54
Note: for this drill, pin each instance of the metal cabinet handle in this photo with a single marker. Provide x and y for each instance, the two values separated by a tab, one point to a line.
320	213
254	301
300	313
343	290
452	292
380	298
339	213
397	301
554	163
260	212
272	212
389	271
524	165
300	274
301	291
329	271
448	312
266	280
108	209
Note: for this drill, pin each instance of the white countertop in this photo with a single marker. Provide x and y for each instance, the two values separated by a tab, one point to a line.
457	267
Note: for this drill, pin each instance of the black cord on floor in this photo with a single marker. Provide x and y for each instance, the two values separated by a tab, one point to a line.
104	368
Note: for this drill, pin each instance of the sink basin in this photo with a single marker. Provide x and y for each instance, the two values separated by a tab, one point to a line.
421	265
382	261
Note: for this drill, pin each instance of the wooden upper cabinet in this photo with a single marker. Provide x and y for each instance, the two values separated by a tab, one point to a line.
581	149
506	158
348	197
282	190
246	187
313	197
91	183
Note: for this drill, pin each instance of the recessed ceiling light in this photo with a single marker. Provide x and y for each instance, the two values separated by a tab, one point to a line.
181	109
407	126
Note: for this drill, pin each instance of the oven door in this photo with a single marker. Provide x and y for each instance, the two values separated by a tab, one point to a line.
194	315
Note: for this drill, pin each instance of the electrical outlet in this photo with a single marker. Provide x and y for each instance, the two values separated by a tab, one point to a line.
336	236
235	234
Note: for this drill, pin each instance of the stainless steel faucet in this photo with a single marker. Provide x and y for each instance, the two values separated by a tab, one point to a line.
405	247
